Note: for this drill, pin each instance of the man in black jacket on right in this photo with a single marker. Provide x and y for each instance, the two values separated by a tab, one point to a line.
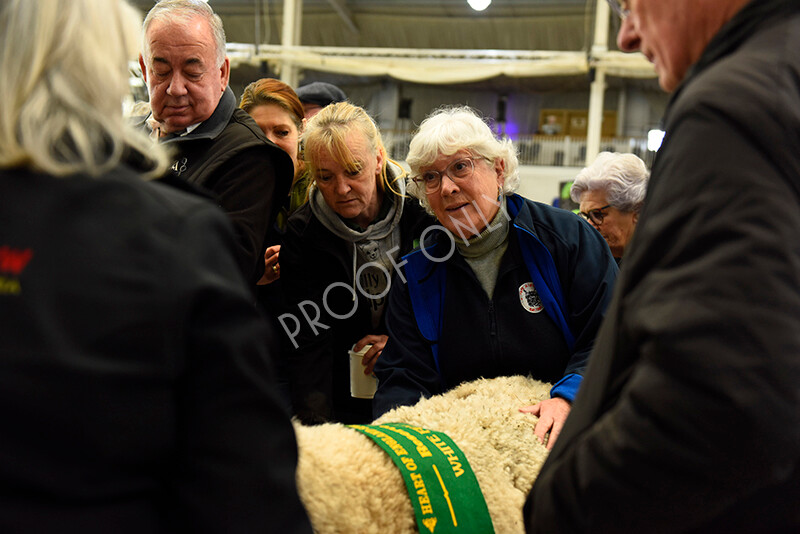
688	419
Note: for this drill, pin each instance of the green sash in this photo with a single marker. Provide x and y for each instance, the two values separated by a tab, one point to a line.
443	489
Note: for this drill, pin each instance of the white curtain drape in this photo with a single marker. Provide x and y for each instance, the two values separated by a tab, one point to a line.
440	66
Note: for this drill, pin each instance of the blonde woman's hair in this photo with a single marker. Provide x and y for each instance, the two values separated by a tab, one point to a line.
63	76
328	129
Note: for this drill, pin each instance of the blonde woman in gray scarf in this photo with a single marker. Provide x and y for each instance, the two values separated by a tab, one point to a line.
337	261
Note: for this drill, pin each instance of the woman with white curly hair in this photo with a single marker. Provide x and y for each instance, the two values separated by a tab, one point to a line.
611	193
475	291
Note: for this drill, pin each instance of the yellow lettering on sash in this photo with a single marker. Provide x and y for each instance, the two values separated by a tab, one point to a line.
409	463
457	470
424	451
421	448
422	493
452	457
386	438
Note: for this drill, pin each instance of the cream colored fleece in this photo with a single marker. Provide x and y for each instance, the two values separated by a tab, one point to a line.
349	485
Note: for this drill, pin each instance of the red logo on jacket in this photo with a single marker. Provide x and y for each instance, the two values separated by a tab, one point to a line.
13	261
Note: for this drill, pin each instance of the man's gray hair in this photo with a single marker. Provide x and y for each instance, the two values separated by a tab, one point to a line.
185	10
450	129
623	177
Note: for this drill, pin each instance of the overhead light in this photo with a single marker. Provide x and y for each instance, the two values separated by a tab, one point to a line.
479	5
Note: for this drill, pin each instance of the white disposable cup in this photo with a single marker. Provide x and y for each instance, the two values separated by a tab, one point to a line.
361	386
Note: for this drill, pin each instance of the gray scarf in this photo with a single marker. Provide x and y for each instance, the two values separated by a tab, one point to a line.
375	249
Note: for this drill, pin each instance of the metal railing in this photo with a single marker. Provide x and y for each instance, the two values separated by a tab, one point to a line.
549	150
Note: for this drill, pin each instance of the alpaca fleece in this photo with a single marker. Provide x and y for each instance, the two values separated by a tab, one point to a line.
349	485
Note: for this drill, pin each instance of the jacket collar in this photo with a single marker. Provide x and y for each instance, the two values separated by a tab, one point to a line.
518	211
737	30
216	123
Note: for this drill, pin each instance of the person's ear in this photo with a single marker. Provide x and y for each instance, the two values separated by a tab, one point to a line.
380	159
225	74
500	169
143	67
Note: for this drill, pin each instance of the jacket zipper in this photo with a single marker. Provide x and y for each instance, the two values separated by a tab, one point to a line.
492	320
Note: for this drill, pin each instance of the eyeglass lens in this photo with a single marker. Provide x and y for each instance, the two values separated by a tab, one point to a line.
596	215
457	170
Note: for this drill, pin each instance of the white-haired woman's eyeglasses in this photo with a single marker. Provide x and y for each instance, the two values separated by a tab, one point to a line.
458	170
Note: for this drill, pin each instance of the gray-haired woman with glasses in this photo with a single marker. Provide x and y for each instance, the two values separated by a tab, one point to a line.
501	286
611	192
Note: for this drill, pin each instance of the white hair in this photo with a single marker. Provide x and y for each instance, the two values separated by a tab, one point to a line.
623	177
63	76
185	11
450	129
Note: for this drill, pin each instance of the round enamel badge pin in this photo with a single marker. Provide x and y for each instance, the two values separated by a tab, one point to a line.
529	298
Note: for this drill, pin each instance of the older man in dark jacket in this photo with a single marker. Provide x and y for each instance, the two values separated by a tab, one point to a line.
689	416
219	147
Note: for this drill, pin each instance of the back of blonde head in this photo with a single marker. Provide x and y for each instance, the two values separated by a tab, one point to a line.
64	83
328	130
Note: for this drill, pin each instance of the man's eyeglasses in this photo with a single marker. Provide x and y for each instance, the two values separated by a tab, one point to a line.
620	7
458	170
596	215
